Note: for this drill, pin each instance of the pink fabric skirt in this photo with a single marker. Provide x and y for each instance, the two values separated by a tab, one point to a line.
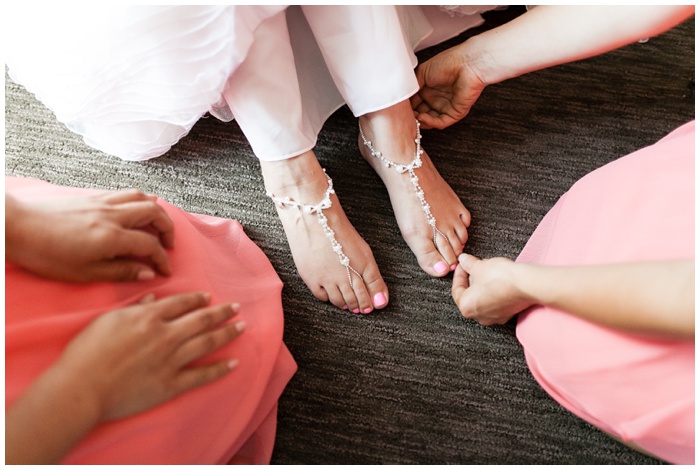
232	418
640	389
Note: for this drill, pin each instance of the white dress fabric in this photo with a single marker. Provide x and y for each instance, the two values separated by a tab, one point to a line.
133	79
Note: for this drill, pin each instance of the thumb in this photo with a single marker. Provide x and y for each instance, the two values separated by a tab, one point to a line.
122	270
467	261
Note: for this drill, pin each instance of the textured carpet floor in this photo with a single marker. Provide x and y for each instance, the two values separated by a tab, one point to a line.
415	383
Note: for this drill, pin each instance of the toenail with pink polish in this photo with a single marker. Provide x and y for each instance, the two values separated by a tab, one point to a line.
453	267
379	299
345	307
440	267
367	310
357	310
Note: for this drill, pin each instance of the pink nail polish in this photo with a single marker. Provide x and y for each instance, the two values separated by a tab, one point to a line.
367	310
240	326
379	299
357	310
440	267
232	364
453	267
345	307
145	275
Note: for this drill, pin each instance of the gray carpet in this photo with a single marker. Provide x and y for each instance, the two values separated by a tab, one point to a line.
415	383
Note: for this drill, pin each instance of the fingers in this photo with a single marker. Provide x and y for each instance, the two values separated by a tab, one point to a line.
175	306
205	343
139	243
198	376
148	213
467	261
201	321
121	270
121	197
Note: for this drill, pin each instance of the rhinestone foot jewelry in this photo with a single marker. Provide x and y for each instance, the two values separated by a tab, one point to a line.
410	169
317	209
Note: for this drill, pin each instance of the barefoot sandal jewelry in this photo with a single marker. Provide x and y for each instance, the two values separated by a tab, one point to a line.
317	209
410	169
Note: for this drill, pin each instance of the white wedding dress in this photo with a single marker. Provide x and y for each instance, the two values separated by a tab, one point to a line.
133	80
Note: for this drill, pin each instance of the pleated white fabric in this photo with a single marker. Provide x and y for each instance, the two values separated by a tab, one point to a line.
133	80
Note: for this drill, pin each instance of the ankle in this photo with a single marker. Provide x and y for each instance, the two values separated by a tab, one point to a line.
392	131
296	177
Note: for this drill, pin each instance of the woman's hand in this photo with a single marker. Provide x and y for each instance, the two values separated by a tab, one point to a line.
125	362
486	291
449	87
138	357
113	236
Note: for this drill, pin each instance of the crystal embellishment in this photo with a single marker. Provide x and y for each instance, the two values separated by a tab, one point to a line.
413	178
318	209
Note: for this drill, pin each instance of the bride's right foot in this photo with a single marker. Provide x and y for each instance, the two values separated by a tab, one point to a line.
344	273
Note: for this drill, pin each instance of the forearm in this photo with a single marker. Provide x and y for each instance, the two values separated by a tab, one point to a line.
51	417
649	297
550	35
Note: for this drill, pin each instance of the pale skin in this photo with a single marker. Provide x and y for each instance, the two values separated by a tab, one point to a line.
301	178
452	81
127	360
652	297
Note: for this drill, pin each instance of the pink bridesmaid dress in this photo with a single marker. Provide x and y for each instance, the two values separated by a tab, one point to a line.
640	389
233	418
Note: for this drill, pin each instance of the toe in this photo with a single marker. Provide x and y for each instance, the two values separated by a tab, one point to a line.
350	299
377	288
319	292
336	297
362	294
429	258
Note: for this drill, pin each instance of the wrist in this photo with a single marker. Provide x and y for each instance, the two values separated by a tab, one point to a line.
524	280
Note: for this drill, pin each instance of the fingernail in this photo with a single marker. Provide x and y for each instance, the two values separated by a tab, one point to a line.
240	326
235	308
453	267
440	267
357	310
345	307
367	310
207	296
145	275
379	299
232	364
462	256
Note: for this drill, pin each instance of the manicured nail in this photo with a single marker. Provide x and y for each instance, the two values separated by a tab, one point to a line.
232	364
345	307
440	267
453	267
379	299
367	310
240	326
145	275
357	310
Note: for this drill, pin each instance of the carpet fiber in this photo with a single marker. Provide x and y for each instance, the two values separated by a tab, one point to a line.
415	383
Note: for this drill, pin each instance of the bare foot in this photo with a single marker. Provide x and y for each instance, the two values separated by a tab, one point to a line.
358	288
392	132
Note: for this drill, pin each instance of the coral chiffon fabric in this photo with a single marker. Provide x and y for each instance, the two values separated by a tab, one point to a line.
640	389
232	418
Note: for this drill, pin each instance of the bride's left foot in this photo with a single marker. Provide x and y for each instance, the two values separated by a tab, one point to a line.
432	219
